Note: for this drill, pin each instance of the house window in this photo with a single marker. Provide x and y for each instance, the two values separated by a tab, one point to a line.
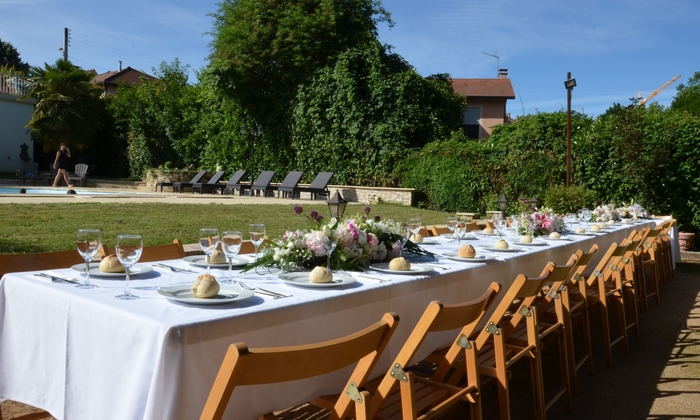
470	122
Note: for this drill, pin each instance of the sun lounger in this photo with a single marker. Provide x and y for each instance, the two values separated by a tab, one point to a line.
210	185
180	186
289	185
29	172
233	183
262	183
319	186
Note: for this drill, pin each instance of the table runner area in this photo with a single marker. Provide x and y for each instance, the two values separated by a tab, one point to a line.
82	354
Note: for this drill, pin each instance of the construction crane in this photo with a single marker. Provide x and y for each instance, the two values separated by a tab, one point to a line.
657	91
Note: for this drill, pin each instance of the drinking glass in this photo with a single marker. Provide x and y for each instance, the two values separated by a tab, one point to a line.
330	247
414	225
231	241
515	223
208	241
88	242
256	232
451	222
128	250
500	227
460	228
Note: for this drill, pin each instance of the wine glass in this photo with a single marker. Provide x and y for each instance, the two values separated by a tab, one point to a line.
414	225
515	223
231	241
330	247
500	227
88	242
451	222
208	241
460	228
128	250
256	232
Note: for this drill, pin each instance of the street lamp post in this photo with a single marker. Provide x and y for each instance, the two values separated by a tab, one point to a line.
253	132
570	84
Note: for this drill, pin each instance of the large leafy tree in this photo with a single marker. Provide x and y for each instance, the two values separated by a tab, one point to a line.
9	58
367	112
262	50
688	96
68	106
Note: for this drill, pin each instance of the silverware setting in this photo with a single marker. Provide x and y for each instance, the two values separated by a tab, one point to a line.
173	268
58	279
363	276
275	295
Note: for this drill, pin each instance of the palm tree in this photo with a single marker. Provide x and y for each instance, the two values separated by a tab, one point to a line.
68	106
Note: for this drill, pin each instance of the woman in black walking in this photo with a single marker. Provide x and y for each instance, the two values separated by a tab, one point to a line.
61	164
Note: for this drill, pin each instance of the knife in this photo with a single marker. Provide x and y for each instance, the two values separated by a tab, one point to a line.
62	279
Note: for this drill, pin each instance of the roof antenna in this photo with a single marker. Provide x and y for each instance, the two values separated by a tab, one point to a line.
120	65
498	60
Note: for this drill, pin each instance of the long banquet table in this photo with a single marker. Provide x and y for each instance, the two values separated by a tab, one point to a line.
82	354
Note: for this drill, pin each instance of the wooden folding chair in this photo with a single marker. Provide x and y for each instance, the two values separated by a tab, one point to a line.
405	395
437	230
576	314
604	288
513	332
490	224
39	261
30	416
471	226
171	251
243	366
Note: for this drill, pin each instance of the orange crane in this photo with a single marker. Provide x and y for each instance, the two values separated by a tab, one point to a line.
657	91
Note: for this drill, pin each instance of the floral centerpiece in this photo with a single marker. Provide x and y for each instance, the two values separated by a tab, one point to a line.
541	222
632	211
605	213
355	242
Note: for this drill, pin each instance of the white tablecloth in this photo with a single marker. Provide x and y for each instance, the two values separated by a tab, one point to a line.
82	354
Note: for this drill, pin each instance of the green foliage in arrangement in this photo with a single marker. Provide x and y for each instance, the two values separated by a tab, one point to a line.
362	116
564	200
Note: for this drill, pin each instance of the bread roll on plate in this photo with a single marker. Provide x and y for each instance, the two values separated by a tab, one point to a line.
111	264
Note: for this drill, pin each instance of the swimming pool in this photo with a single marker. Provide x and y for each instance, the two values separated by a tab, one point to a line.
56	191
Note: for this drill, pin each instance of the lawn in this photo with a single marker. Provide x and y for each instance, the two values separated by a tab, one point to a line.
30	228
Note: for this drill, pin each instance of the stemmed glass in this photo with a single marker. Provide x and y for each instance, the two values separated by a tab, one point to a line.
330	247
414	225
208	241
256	232
460	228
500	227
231	241
128	250
515	223
451	223
88	242
404	235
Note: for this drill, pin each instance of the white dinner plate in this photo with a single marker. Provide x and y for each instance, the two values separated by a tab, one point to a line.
467	237
586	233
227	294
481	232
415	269
511	249
200	261
95	270
563	238
535	242
478	258
302	279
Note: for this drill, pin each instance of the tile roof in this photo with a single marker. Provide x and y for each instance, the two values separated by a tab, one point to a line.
485	88
127	75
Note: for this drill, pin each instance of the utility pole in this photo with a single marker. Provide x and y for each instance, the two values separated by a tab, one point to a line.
65	44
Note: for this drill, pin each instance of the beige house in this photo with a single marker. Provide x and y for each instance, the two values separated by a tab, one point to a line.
486	103
111	80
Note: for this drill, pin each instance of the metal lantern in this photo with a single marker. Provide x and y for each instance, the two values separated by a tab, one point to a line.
336	205
503	205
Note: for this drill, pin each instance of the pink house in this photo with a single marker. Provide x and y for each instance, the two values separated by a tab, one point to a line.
486	103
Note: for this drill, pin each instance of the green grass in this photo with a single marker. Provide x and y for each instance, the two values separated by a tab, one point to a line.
28	228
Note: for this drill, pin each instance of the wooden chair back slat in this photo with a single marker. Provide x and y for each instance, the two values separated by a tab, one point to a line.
39	261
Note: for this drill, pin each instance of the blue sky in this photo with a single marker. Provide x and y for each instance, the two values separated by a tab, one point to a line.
616	49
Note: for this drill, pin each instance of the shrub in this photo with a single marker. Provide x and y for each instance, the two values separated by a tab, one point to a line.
563	199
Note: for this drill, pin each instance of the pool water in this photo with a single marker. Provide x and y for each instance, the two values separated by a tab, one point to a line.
53	191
